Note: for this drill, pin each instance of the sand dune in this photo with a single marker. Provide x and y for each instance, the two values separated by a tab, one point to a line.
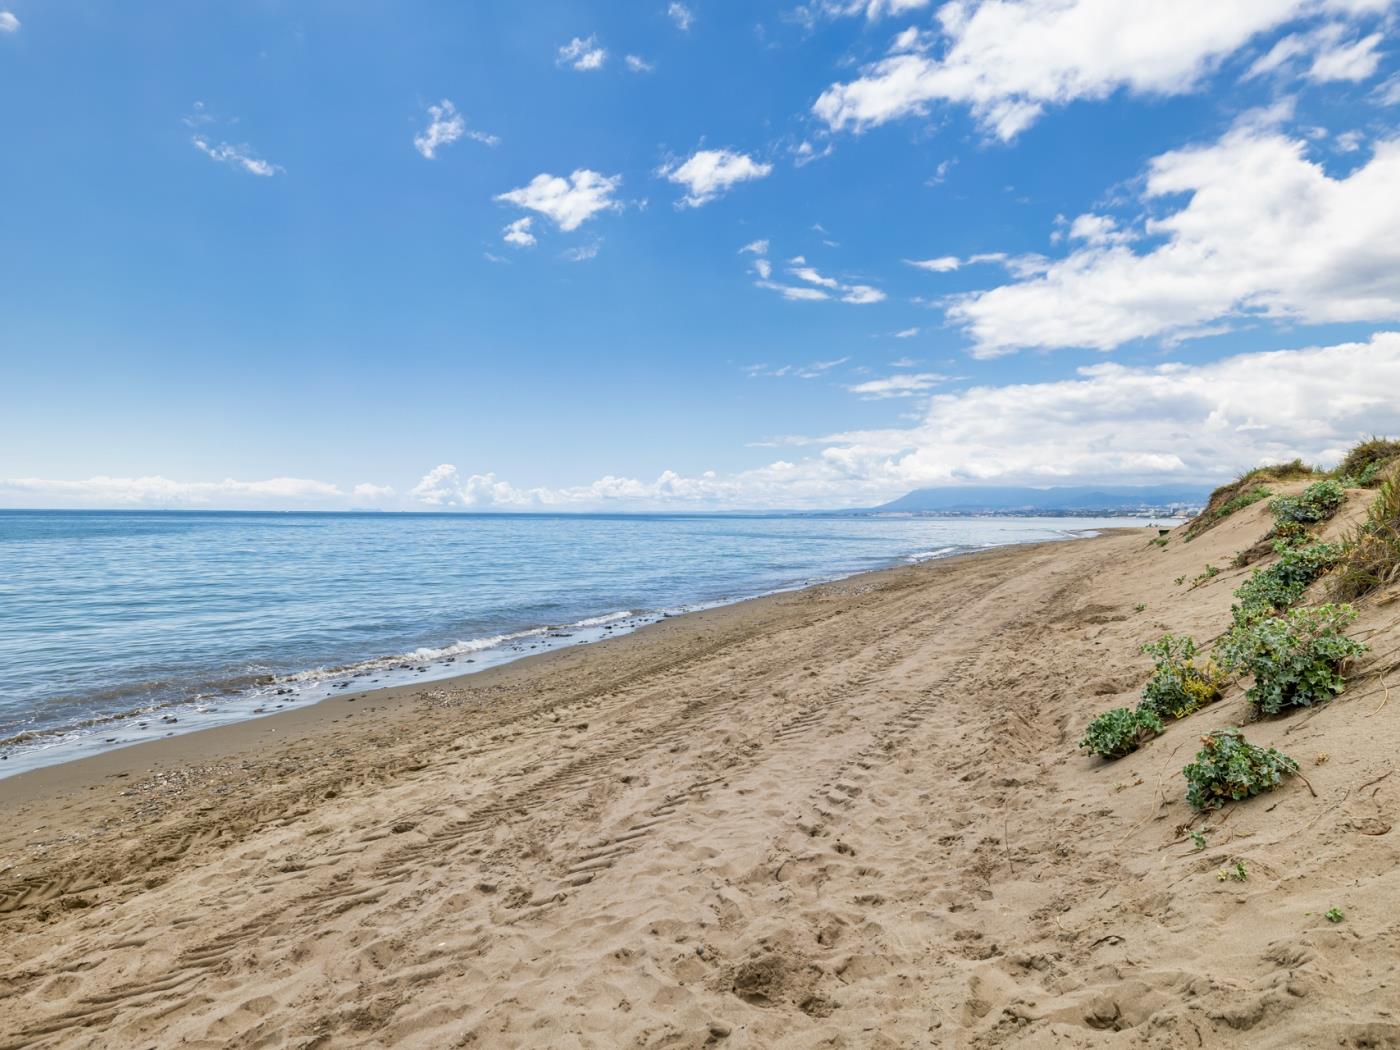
852	816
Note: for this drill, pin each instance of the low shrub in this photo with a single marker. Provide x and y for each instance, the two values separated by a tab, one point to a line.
1373	551
1229	768
1318	502
1277	586
1121	731
1180	683
1247	489
1208	573
1296	659
1366	462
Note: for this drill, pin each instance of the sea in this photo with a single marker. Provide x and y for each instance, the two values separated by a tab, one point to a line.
120	627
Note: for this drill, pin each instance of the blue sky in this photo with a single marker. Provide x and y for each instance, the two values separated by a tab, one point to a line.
493	254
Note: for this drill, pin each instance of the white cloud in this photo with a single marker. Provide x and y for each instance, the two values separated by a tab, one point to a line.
1350	141
444	486
811	276
445	125
374	493
1387	93
708	173
155	490
804	153
1109	424
1008	61
942	264
583	53
681	15
906	333
794	292
1265	232
518	233
1356	60
241	157
583	252
1336	53
817	287
1097	230
8	22
871	9
637	64
571	201
861	294
904	384
815	370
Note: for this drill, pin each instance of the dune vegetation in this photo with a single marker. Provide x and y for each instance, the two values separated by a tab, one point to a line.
1294	655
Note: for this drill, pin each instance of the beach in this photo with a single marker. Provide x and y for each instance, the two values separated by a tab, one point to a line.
852	815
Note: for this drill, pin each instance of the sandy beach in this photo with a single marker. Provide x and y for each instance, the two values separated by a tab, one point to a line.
850	816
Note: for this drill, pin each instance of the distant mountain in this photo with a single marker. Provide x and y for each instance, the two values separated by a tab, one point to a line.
1013	500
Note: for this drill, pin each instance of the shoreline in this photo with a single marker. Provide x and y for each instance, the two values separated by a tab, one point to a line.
215	742
32	750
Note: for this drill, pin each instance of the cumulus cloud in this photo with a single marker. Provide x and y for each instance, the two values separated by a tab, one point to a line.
1108	424
1265	232
708	173
759	247
444	486
155	490
518	233
637	64
446	125
238	156
583	53
8	22
681	15
571	201
1008	61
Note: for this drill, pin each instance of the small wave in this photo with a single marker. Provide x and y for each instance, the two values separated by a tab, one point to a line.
929	555
598	621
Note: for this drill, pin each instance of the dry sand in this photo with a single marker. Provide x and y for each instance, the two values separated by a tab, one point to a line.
852	816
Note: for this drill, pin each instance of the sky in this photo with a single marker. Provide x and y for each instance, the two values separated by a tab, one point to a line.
688	256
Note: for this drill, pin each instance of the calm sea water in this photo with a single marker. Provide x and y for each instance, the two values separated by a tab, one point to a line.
117	627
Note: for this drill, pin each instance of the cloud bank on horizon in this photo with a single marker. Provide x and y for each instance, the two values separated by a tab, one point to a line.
972	241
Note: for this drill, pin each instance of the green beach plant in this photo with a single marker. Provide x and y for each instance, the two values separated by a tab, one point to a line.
1181	683
1363	466
1228	768
1277	586
1296	659
1121	731
1246	490
1316	503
